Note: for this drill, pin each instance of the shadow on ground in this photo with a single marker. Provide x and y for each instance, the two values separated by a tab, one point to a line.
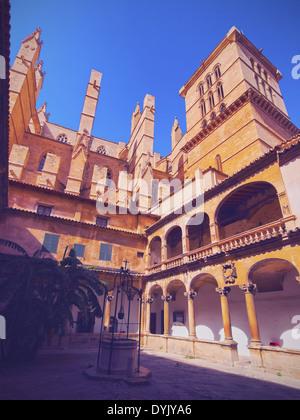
58	375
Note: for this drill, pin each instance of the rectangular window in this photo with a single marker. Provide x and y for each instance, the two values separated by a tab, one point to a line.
105	252
80	250
101	221
51	243
140	255
178	318
45	210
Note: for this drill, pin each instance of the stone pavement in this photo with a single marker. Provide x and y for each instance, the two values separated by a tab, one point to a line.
58	375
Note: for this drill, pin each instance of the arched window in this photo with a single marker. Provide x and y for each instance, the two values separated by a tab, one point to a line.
222	108
101	150
62	138
42	163
208	81
219	163
201	89
271	94
204	124
213	116
257	82
108	177
251	62
211	100
203	108
217	72
259	69
220	92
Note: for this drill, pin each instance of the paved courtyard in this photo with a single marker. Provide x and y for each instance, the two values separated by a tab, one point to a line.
58	375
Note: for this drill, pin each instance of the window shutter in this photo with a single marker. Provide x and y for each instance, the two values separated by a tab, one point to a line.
80	250
47	242
54	244
51	243
105	252
108	252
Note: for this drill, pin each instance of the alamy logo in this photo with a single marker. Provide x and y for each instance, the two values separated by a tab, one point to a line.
296	68
2	328
2	67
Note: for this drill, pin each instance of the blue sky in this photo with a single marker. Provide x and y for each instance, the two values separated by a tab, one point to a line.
146	46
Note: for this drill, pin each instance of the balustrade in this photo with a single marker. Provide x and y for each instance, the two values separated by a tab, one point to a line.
256	235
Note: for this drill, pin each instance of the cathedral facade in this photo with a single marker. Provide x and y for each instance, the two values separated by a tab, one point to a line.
211	231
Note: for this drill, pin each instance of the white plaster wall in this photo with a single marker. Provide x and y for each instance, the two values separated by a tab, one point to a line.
179	305
291	177
279	314
208	315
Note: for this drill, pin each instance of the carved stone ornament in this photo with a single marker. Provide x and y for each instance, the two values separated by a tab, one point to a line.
249	288
190	295
223	291
229	273
166	298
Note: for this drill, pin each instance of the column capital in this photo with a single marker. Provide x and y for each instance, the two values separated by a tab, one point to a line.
249	288
166	298
223	291
190	295
150	300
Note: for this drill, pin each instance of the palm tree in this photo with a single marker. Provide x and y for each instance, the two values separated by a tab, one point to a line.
39	295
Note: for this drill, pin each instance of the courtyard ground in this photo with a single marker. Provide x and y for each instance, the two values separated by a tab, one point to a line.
58	375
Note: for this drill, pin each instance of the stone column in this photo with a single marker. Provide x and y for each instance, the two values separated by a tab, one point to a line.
250	290
166	299
191	313
223	292
148	314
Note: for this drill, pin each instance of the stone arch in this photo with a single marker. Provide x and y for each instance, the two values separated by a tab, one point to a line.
277	301
178	308
154	298
155	251
174	242
247	207
198	234
207	308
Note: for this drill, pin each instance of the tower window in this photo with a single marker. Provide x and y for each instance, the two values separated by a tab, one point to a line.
42	163
62	138
201	89
217	72
209	81
203	108
220	92
219	163
211	100
222	108
101	150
